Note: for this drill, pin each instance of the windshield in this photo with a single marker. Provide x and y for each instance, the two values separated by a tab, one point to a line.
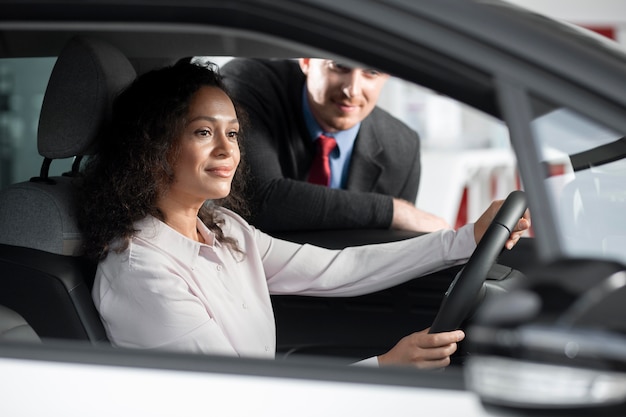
585	165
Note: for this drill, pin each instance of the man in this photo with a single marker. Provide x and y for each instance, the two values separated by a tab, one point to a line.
374	167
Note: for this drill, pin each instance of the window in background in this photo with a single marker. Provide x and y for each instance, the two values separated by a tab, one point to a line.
585	169
23	83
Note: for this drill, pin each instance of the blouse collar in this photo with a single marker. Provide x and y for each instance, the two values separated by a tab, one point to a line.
165	237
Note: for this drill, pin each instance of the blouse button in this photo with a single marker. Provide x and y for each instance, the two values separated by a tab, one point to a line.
219	267
245	306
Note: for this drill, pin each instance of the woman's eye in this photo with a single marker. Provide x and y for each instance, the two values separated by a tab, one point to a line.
233	135
203	132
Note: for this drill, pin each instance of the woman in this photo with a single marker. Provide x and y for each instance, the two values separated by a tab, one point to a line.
179	271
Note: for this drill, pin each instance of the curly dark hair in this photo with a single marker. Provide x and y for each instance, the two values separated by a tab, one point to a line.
133	164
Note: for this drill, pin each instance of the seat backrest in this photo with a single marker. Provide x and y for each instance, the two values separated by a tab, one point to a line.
14	328
42	275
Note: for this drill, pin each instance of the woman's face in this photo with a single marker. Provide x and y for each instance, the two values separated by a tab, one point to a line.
209	151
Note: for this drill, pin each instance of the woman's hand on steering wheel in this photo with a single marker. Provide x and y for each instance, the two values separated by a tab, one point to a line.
423	350
481	225
432	347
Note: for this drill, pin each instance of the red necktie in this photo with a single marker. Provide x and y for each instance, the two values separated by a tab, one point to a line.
320	169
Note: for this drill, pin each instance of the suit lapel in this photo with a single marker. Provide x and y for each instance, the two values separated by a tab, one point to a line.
365	166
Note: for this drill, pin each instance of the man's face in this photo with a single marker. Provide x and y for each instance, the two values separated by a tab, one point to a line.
340	96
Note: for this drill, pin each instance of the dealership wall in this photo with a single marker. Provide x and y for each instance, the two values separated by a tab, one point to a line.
466	160
607	16
462	126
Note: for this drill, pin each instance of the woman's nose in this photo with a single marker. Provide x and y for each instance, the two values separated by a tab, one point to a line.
223	146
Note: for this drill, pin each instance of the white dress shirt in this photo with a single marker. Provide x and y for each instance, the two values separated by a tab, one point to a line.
166	291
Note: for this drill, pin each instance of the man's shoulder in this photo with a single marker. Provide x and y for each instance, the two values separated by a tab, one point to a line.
263	80
255	67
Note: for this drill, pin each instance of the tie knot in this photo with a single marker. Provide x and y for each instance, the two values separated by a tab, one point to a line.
326	144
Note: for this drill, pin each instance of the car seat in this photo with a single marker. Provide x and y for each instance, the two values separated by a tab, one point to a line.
14	328
42	275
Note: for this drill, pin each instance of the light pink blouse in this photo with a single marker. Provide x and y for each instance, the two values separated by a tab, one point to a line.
169	292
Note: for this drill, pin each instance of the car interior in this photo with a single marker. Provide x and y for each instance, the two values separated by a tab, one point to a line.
545	334
48	284
46	280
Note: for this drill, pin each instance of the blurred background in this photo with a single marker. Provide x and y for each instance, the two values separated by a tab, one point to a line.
466	158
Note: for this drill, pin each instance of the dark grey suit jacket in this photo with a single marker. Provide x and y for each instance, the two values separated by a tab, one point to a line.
279	151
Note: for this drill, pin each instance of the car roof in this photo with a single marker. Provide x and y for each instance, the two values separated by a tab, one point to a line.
169	29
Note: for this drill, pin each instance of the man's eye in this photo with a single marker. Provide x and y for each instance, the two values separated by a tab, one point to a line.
339	67
371	72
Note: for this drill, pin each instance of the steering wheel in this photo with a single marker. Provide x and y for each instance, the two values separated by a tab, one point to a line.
466	286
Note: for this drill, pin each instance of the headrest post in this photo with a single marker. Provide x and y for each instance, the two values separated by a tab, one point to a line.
44	173
75	167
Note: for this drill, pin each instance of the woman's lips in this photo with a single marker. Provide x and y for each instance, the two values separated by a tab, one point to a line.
223	172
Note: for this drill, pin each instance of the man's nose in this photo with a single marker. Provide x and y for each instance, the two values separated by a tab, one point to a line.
353	83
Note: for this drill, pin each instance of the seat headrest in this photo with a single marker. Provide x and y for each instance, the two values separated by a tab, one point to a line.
78	101
86	76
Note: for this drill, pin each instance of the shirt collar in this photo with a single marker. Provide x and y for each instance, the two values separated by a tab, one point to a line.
165	237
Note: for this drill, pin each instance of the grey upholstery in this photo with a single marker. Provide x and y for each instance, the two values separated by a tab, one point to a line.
13	327
40	215
42	275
